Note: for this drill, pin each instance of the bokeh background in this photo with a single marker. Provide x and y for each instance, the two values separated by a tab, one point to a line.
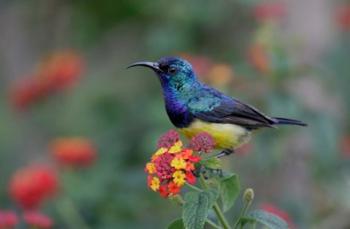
62	73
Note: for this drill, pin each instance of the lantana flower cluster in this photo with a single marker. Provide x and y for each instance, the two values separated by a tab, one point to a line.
59	71
270	11
29	188
32	219
8	219
32	185
172	165
37	220
343	17
74	152
211	72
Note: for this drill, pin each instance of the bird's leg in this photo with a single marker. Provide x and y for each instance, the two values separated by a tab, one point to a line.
200	170
225	152
220	173
215	172
197	171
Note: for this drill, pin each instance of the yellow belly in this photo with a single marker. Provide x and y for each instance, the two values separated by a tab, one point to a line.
226	136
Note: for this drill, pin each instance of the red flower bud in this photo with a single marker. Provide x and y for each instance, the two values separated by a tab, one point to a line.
168	139
202	142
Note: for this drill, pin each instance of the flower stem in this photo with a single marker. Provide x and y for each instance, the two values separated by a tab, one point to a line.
211	223
178	199
66	208
242	214
194	187
220	215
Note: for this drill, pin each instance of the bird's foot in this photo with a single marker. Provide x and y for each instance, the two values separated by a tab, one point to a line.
207	172
200	170
225	152
217	172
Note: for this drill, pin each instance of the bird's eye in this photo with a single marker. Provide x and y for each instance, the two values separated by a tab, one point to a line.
172	70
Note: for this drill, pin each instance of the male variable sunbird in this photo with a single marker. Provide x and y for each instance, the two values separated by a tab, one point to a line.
194	107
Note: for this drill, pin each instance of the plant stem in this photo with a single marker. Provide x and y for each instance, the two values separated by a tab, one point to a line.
211	223
203	182
242	214
254	225
220	215
66	208
178	199
194	187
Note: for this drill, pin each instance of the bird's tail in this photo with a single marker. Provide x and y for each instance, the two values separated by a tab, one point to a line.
287	121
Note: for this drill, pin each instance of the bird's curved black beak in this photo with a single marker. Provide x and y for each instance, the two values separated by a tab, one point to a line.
152	65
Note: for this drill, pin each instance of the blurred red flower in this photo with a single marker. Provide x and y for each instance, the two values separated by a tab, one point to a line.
258	57
343	17
76	151
59	71
269	11
273	209
220	74
26	92
32	185
37	220
244	149
8	219
345	146
216	74
200	64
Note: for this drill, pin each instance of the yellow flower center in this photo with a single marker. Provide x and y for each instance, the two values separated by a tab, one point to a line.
179	178
155	184
150	168
178	163
176	148
159	152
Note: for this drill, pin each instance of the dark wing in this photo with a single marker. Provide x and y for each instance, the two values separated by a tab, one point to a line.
229	110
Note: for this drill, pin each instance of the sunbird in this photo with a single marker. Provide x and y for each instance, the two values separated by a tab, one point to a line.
194	107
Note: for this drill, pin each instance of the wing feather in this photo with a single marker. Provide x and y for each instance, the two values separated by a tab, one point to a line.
229	110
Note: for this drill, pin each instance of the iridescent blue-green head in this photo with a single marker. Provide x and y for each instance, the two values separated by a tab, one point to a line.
173	72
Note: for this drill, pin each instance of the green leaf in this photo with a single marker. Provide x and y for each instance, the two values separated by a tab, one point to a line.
270	220
229	190
196	208
213	195
244	220
211	163
177	224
